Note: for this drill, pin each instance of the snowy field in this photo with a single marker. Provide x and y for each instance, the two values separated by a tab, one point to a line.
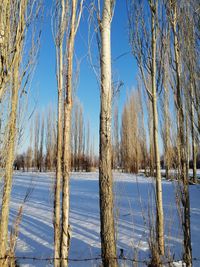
133	200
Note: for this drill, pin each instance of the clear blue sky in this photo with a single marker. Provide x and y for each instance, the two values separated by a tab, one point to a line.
44	87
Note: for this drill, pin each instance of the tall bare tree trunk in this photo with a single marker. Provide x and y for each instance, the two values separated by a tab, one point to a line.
65	19
57	206
108	244
11	133
9	167
58	154
159	204
65	237
181	143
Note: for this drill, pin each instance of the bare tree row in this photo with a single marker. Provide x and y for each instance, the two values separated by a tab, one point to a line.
41	149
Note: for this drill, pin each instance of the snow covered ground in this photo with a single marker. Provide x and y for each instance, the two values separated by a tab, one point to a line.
133	200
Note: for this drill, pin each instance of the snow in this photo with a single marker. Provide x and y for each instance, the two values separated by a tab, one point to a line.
133	199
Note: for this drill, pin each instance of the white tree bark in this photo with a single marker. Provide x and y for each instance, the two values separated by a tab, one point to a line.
57	206
65	235
159	204
108	244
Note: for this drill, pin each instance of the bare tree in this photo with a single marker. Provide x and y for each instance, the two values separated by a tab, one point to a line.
61	21
124	140
174	14
28	159
142	131
166	132
29	152
80	138
190	58
116	143
130	139
165	100
78	143
151	142
108	244
41	156
144	41
66	21
50	140
73	27
36	141
16	17
88	158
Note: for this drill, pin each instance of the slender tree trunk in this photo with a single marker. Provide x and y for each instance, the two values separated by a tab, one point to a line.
60	72
108	244
36	141
159	204
88	162
187	143
65	237
194	147
57	225
166	132
151	145
9	168
75	130
11	133
41	144
182	154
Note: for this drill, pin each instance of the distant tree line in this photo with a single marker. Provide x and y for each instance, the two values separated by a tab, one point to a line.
131	151
41	151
